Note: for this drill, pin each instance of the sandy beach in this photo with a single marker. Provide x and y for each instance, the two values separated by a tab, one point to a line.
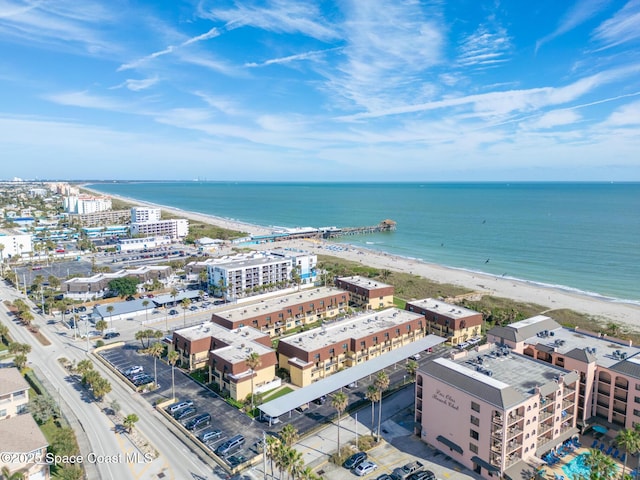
627	315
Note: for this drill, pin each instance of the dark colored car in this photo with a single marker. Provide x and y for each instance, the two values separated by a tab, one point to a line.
354	460
110	335
173	312
199	421
320	400
145	380
422	475
184	413
235	460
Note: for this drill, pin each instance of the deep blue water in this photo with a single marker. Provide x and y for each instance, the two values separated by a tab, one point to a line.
582	236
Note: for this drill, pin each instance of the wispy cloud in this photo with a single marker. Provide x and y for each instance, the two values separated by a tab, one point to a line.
137	85
626	115
581	11
484	48
553	119
284	16
212	33
86	100
623	27
313	54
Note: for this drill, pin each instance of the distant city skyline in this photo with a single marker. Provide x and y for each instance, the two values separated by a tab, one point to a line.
360	90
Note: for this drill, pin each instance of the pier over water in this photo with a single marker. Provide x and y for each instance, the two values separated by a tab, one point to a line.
280	234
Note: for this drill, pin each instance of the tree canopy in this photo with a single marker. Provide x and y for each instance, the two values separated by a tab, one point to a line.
124	286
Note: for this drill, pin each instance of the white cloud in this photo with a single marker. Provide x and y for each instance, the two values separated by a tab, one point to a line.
623	27
143	84
310	55
626	115
486	47
553	119
85	100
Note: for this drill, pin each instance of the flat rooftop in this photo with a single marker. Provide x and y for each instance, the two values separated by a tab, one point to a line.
507	369
231	337
448	309
240	352
251	260
573	343
278	304
364	282
356	327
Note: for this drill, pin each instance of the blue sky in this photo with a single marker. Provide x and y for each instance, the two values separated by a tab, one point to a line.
326	90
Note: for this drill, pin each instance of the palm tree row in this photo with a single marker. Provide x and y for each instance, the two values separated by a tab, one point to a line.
629	440
285	458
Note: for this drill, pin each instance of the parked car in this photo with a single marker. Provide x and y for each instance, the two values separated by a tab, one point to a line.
174	407
110	335
320	400
199	421
184	413
236	460
230	445
365	468
173	312
268	419
423	475
144	380
209	435
133	370
354	460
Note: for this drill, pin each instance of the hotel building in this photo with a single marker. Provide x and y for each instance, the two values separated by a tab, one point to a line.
19	433
609	368
245	273
276	316
457	324
145	243
145	214
83	204
176	228
508	408
225	352
107	217
313	355
367	293
14	243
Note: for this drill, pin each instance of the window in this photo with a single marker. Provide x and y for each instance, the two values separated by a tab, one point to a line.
475	420
636	413
473	447
345	346
636	399
3	413
475	406
332	351
375	340
317	357
473	434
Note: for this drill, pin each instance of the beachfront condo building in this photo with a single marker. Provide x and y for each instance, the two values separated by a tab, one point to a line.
225	352
318	353
456	324
367	293
278	315
145	214
14	243
609	368
495	411
19	433
101	218
175	228
238	276
82	204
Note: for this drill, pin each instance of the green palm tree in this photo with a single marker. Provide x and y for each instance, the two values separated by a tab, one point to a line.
412	368
253	361
373	395
7	475
294	462
602	466
145	304
110	309
629	440
289	435
129	421
101	326
272	444
185	305
172	358
155	350
381	383
339	401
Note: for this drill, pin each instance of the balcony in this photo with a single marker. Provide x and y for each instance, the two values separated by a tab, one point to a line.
497	419
569	392
514	417
623	386
544	415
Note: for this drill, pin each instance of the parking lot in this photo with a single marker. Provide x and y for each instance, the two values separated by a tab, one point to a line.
224	417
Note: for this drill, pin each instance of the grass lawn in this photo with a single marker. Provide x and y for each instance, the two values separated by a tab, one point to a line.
279	393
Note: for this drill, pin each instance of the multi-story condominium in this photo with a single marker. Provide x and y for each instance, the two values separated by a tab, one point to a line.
13	243
367	293
456	324
304	263
145	214
14	393
175	228
609	368
315	354
493	410
239	274
276	316
225	353
140	244
107	217
19	433
110	231
81	204
84	288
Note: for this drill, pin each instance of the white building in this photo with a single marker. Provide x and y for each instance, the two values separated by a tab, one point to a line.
175	228
81	204
145	214
13	244
140	244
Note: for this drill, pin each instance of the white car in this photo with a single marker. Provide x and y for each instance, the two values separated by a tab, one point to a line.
365	468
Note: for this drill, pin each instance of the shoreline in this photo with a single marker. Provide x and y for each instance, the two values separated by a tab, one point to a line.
604	309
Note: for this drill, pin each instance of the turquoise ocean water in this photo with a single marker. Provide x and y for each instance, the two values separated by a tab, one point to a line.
578	236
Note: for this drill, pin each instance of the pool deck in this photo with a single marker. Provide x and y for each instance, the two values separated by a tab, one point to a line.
555	471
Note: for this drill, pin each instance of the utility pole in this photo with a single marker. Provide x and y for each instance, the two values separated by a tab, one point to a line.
264	453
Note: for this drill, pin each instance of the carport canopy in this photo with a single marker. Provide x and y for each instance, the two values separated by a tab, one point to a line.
292	400
161	300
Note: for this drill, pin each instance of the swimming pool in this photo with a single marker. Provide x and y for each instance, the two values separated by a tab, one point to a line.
576	468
